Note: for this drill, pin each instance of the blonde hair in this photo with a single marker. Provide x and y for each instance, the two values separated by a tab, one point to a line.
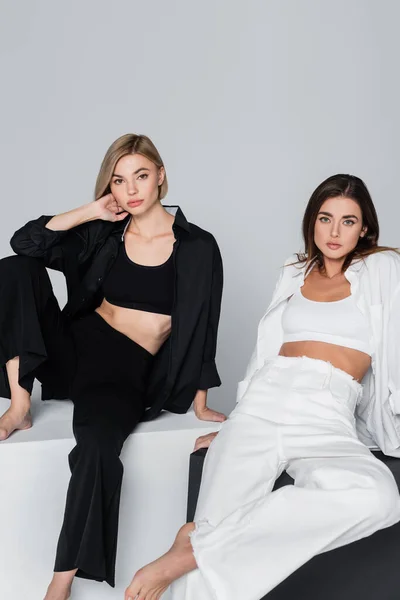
129	143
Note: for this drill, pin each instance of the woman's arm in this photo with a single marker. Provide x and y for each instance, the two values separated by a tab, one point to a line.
393	352
73	218
203	412
51	238
252	365
106	209
209	375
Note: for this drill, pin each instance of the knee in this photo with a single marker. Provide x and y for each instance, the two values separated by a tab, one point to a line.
382	502
96	454
99	441
16	266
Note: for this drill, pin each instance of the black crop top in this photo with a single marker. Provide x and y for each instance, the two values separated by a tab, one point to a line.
130	285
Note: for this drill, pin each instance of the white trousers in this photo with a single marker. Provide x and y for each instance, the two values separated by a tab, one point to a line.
296	415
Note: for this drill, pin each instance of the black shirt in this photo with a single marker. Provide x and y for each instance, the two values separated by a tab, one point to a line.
186	362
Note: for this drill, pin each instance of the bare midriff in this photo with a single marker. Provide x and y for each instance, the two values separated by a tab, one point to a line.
149	330
354	362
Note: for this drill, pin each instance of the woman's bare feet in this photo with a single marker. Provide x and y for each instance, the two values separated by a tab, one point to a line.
151	581
13	419
60	586
18	416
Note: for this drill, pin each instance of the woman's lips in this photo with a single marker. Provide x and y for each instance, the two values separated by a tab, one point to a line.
133	203
334	246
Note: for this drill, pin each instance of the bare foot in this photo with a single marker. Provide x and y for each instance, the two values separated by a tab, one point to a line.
14	419
60	586
151	581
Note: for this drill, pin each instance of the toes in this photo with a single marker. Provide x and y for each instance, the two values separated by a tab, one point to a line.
9	426
157	594
132	591
3	435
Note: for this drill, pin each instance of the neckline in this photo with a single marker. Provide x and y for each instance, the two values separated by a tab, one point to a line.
324	301
145	266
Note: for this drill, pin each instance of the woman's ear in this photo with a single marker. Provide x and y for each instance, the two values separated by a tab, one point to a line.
161	175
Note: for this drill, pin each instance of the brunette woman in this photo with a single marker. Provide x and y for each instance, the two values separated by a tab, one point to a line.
322	385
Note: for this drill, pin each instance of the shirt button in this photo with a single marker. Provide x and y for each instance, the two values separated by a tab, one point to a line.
83	299
99	279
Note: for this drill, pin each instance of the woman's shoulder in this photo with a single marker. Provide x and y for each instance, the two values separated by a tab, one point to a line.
294	264
386	260
289	269
198	233
384	266
293	260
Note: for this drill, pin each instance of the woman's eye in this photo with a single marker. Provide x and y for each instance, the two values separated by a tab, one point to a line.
143	176
324	219
117	181
349	221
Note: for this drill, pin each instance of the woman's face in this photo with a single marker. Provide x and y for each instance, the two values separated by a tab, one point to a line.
135	182
338	227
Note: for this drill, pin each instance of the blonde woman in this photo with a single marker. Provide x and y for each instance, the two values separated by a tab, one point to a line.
333	322
137	335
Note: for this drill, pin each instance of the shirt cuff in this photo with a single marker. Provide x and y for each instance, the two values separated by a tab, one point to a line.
241	389
209	377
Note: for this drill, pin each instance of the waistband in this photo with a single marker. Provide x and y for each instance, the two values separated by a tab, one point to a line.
95	322
313	373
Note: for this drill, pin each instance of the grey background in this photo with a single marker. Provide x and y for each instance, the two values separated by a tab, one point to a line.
251	105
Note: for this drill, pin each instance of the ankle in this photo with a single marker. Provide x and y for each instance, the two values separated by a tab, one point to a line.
60	585
21	406
64	578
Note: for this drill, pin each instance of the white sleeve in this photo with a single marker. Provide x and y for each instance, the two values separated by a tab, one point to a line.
253	364
393	351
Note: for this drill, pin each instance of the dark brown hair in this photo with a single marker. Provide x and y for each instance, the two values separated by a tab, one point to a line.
348	186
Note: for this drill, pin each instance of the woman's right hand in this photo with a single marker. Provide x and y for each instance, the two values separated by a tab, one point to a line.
107	209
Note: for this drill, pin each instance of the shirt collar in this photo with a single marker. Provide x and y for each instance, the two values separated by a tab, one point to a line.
174	210
297	278
350	272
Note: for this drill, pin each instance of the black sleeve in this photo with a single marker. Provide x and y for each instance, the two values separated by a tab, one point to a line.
209	375
53	247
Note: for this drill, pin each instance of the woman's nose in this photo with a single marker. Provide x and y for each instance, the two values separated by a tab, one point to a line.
132	189
335	231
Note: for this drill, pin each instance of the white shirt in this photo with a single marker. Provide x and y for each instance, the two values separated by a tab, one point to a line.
375	285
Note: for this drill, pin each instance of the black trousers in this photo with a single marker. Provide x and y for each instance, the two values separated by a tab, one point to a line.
105	375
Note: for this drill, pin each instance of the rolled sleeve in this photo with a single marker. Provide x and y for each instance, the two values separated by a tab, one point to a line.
209	376
250	370
34	238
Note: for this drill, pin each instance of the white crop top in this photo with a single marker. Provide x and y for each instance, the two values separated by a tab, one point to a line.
339	322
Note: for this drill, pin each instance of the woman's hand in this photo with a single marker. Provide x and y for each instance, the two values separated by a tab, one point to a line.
202	411
204	441
107	209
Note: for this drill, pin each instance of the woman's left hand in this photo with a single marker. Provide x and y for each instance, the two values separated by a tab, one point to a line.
204	441
202	411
